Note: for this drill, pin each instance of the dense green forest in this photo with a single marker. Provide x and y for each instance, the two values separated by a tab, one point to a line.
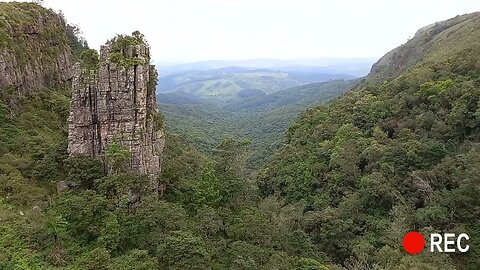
205	105
397	153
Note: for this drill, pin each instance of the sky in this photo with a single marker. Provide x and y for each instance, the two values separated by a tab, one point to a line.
199	30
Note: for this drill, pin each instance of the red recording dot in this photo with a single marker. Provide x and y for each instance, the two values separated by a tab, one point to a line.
413	242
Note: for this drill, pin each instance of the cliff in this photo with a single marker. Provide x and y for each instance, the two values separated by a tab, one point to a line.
34	47
432	43
115	103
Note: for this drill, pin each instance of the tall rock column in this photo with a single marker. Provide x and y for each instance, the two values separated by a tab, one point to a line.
116	103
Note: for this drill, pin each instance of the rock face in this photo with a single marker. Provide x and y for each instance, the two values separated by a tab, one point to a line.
116	103
34	48
31	75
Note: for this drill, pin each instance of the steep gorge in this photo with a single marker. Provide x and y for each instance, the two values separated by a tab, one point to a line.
353	176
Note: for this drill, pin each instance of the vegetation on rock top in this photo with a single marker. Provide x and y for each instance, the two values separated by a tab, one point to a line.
122	49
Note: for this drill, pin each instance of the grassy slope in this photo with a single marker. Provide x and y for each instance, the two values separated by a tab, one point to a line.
225	84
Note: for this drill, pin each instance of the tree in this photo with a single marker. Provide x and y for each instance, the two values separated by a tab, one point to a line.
138	35
135	260
236	189
182	250
207	190
56	226
232	156
116	156
96	259
309	264
89	59
83	171
153	219
86	213
209	222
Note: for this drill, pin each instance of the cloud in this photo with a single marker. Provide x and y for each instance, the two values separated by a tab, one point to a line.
192	30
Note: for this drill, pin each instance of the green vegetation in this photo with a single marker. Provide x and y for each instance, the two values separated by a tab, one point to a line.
75	41
226	84
354	175
29	41
122	51
432	44
392	156
116	155
156	117
89	59
210	216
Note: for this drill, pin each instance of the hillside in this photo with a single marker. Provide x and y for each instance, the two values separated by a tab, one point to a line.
397	153
37	48
35	60
431	44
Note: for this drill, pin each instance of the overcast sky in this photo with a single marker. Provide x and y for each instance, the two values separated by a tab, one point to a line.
194	30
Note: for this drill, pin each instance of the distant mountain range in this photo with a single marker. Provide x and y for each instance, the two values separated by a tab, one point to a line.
357	67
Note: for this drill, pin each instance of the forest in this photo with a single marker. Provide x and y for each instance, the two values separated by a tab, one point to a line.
398	152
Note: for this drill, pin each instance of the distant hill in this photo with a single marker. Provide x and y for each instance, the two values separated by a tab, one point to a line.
236	82
221	83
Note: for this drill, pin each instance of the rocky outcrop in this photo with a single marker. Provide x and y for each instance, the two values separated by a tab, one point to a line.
116	103
34	48
35	74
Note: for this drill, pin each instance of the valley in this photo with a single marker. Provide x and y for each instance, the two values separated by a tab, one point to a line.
262	120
